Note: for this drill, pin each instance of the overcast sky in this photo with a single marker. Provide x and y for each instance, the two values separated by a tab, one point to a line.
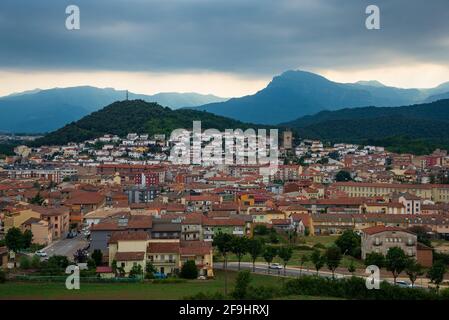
229	47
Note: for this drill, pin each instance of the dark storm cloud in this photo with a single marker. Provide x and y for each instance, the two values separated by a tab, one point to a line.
253	37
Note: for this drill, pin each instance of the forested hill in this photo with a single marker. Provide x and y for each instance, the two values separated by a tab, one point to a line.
136	116
416	128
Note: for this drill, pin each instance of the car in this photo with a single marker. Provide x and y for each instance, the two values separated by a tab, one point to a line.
41	253
403	284
276	266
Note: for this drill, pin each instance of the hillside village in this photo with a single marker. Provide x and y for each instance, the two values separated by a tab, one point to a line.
122	197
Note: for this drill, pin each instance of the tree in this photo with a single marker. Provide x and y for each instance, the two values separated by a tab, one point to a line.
351	267
150	270
58	261
318	260
304	259
37	199
97	256
239	246
268	255
413	270
349	242
255	249
343	175
396	261
27	239
376	259
25	262
436	273
333	258
260	230
91	264
241	284
80	256
136	271
285	253
14	239
222	241
189	270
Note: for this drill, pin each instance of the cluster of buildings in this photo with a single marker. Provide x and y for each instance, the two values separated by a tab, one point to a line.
144	209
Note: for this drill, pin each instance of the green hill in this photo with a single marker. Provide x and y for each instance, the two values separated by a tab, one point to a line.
418	128
137	116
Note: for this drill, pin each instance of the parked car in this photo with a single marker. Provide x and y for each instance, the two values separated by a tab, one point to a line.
158	275
276	266
403	284
41	253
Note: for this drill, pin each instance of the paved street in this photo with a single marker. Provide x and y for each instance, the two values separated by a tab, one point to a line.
291	272
66	247
262	268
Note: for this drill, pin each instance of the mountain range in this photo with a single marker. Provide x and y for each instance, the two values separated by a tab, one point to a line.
297	93
39	111
288	96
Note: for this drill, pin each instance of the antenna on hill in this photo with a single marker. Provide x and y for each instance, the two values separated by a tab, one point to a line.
127	95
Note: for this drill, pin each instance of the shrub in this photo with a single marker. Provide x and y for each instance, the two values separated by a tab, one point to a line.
319	246
35	262
136	271
354	288
189	270
303	247
206	296
376	259
241	284
2	276
262	293
25	262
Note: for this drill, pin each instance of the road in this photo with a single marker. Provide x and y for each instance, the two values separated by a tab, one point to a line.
66	247
262	268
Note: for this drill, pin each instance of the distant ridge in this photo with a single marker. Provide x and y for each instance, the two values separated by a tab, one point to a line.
417	128
298	93
39	111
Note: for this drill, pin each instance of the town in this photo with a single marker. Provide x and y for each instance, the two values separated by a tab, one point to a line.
119	209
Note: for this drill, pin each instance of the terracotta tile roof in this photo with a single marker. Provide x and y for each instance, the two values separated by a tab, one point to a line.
140	222
304	217
379	229
85	198
163	247
224	222
51	211
193	218
128	236
104	270
280	221
195	248
129	256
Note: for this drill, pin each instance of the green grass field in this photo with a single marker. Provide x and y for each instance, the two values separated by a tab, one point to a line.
137	291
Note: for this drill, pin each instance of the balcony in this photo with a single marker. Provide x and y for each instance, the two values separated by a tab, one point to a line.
161	261
410	243
377	243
